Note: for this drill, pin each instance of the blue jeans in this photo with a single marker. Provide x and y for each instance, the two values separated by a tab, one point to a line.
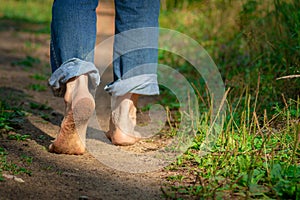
73	36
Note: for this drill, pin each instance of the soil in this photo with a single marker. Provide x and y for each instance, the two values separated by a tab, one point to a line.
55	176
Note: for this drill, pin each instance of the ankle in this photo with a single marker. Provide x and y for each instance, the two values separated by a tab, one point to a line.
118	137
123	120
77	86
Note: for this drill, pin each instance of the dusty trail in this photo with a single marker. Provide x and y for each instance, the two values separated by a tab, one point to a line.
58	176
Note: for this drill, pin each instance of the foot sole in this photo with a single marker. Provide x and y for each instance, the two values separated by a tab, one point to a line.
71	139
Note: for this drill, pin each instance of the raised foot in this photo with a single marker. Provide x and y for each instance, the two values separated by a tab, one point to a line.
72	134
71	139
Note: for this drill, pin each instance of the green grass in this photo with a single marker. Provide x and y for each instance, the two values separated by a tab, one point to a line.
10	117
29	15
28	62
8	166
253	42
38	77
18	137
34	11
37	87
27	159
248	40
252	158
257	155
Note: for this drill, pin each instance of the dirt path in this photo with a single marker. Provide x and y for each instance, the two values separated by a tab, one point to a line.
57	176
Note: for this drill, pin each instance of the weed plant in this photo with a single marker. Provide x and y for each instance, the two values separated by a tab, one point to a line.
247	39
9	120
253	42
257	154
252	157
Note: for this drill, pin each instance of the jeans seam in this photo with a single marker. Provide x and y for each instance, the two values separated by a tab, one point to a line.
54	54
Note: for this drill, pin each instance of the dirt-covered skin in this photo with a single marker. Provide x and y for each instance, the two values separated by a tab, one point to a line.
80	106
56	176
125	108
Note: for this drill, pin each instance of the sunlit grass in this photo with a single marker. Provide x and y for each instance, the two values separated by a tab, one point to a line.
253	157
246	39
257	155
36	11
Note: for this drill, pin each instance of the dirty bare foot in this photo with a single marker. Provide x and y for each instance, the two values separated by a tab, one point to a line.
79	108
123	120
117	137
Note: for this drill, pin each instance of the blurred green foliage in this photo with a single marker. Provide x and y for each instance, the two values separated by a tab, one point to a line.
35	11
250	41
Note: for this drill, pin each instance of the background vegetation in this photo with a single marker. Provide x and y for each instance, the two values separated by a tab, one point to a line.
253	42
248	40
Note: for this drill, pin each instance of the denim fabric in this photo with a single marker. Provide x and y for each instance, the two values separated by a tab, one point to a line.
135	14
142	84
73	36
72	68
135	62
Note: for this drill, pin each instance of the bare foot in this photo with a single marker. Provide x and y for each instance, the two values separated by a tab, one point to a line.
123	120
117	137
79	108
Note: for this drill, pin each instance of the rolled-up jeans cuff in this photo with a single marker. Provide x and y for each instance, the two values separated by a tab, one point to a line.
145	84
70	69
